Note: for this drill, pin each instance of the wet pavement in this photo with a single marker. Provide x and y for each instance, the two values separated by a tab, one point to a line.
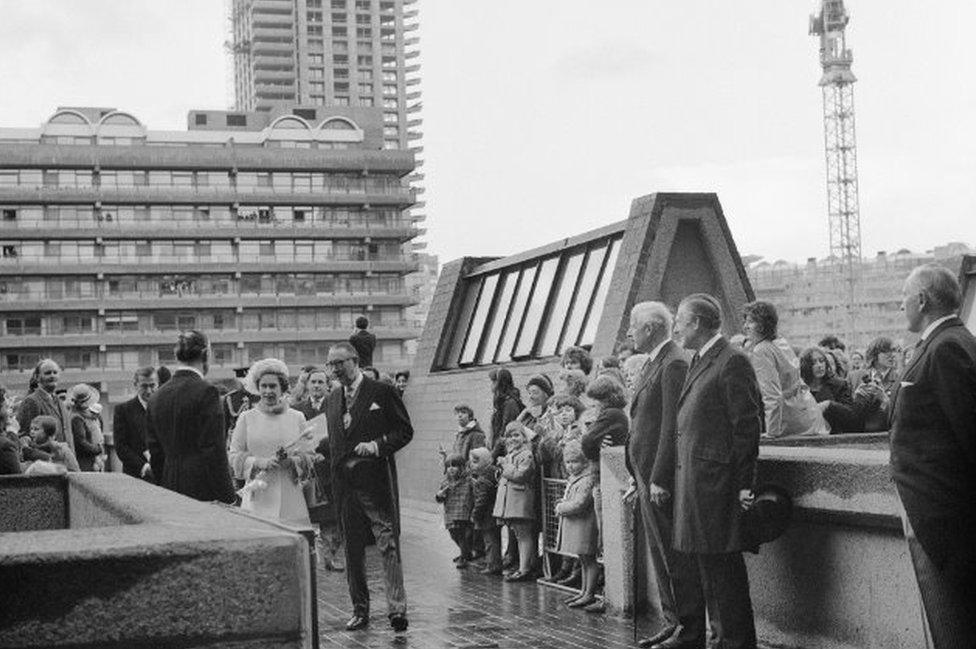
461	609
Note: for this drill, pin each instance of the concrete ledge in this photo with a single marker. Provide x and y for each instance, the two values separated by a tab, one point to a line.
139	565
840	577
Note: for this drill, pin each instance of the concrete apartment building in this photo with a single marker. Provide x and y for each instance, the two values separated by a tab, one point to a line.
270	231
811	298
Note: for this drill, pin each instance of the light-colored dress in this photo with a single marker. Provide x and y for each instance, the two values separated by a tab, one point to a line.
259	434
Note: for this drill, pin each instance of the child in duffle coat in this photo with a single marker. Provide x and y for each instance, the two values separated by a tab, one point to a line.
578	533
455	495
484	488
515	499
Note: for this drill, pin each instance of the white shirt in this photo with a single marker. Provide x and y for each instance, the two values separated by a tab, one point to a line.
317	403
657	350
189	369
143	403
351	390
711	343
929	329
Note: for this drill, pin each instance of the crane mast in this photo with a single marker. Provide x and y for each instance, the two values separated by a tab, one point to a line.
840	146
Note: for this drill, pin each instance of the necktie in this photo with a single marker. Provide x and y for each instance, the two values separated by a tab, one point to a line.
694	361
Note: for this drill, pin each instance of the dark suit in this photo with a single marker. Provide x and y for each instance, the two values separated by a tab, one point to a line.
129	432
720	418
650	459
186	436
933	460
364	343
366	495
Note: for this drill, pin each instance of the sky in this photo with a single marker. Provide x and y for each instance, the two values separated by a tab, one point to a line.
546	119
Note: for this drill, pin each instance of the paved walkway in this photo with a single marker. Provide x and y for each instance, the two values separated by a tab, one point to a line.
461	609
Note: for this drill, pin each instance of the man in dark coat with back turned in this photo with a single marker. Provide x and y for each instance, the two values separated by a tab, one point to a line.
650	459
363	341
367	425
129	426
933	455
720	418
185	432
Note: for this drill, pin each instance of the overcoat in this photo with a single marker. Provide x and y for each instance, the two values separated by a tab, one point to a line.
516	487
933	446
484	486
610	428
186	437
653	417
129	434
720	418
578	531
377	415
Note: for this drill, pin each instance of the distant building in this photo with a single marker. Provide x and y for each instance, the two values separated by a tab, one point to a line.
422	285
269	231
811	298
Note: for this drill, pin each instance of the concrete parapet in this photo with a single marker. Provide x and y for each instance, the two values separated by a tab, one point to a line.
839	577
137	565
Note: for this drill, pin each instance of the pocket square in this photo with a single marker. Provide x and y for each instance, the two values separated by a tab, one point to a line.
374	406
907	384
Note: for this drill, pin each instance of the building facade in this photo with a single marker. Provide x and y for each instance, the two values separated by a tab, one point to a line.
811	298
269	231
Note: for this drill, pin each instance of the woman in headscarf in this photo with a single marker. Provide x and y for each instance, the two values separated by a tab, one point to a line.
270	448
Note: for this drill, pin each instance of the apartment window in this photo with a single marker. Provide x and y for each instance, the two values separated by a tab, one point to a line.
363	5
389	61
313	4
9	252
338	4
317	86
9	215
341	73
341	86
340	46
236	120
338	18
390	118
389	89
200	119
315	30
340	59
318	100
342	101
316	59
366	88
390	76
365	101
122	322
366	75
266	249
24	326
338	32
314	16
304	113
316	73
390	131
364	60
389	102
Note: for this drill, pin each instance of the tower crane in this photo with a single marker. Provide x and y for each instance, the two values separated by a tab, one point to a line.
840	147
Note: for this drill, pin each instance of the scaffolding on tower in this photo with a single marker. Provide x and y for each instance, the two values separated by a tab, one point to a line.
840	146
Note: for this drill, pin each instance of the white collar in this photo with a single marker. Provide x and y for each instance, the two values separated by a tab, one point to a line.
145	404
187	368
711	343
929	329
657	350
471	424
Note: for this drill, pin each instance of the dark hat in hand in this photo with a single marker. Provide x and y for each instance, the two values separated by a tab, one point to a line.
769	516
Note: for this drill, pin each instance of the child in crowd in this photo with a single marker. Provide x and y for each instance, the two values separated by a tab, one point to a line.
515	499
577	522
484	487
455	495
566	426
43	430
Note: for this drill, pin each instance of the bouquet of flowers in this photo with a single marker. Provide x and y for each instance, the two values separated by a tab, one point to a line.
259	481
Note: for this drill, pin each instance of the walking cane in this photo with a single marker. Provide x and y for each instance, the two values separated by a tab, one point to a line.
633	567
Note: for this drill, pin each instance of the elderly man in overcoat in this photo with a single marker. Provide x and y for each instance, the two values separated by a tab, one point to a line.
367	423
933	455
650	459
720	419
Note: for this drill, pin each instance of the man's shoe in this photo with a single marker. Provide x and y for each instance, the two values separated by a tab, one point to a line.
519	576
672	642
661	636
596	606
399	622
357	622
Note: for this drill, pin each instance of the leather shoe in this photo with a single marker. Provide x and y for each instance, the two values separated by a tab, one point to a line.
399	622
661	636
519	576
672	642
357	622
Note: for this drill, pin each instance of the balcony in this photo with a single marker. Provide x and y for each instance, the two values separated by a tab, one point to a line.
173	265
190	195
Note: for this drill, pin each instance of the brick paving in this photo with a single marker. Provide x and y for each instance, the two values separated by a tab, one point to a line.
451	608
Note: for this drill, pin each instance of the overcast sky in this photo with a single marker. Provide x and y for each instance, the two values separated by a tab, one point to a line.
545	119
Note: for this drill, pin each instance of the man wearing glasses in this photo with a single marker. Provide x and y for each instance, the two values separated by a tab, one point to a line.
367	424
